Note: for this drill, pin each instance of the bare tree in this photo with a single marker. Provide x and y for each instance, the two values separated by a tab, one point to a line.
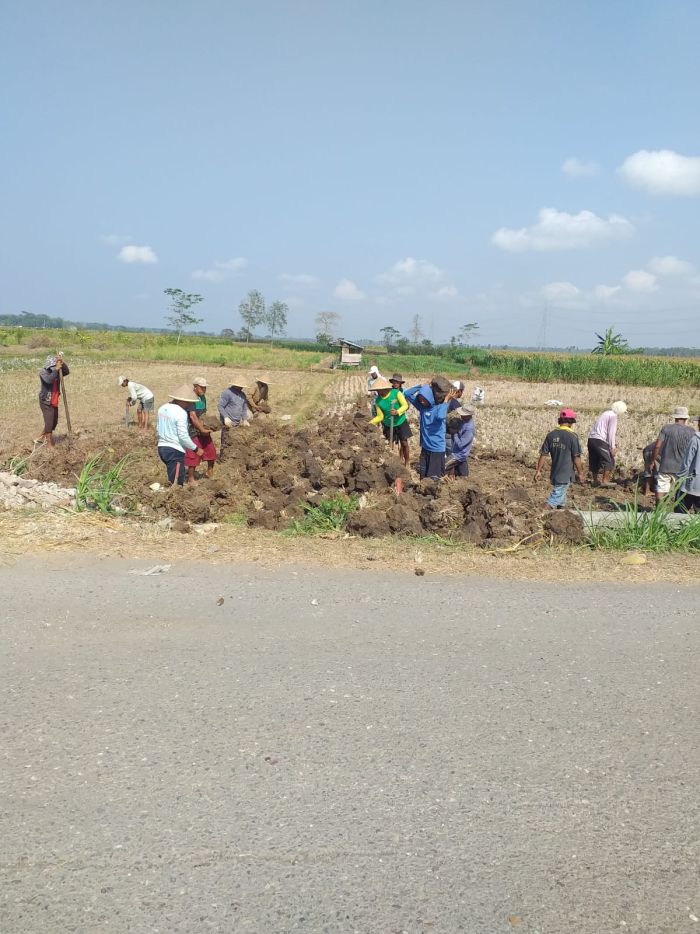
327	323
416	332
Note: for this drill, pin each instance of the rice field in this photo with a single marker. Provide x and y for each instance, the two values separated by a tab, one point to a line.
513	420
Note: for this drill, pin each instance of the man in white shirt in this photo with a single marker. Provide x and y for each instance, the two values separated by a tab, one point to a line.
139	395
172	428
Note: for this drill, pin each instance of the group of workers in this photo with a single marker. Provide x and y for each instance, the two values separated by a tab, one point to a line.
447	426
671	462
447	431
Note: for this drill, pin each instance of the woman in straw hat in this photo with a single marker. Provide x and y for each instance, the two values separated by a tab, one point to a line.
172	428
391	407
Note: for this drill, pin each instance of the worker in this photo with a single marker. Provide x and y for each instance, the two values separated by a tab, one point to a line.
233	412
452	405
391	413
462	429
140	396
172	429
602	443
650	469
199	433
373	375
258	399
49	394
689	492
564	447
431	400
670	450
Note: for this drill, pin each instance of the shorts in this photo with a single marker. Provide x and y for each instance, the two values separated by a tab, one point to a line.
146	405
402	432
664	482
207	445
599	455
50	413
558	495
174	461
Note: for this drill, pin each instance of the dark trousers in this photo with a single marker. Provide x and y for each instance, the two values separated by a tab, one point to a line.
687	502
50	413
461	469
174	463
432	464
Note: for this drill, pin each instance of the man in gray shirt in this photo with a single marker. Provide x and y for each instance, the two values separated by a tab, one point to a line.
670	450
689	493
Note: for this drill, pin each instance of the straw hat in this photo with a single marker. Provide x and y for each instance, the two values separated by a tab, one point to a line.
200	381
237	383
464	410
680	411
183	393
397	378
381	383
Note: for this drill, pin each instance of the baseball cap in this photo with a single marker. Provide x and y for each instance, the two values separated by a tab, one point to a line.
568	413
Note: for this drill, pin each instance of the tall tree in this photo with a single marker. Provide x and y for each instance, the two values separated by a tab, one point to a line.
391	335
327	322
252	312
467	331
276	319
181	316
610	344
416	332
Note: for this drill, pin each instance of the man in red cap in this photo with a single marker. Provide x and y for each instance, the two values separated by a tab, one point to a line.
564	447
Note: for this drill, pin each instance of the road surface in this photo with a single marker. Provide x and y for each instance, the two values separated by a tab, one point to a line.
345	752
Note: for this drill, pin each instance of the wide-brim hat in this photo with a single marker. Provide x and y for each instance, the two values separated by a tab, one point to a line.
381	383
465	410
397	378
680	411
237	383
184	393
256	379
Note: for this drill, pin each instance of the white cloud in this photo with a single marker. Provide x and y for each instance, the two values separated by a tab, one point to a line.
115	239
670	266
662	172
219	271
137	254
560	291
558	230
348	291
412	271
446	292
574	168
639	280
301	280
606	293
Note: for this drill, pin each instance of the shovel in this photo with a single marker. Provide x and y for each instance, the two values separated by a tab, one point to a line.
65	401
391	431
127	415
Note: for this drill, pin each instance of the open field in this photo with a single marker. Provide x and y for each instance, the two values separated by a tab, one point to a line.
513	420
629	370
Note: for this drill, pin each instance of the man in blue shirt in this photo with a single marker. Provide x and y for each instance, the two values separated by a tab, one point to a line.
233	411
432	401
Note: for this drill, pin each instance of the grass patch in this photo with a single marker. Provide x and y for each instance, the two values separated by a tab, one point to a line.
98	488
328	515
649	531
238	519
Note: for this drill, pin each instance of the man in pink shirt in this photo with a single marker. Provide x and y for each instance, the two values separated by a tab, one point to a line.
602	442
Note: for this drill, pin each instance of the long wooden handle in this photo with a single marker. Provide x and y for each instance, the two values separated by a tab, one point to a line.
65	401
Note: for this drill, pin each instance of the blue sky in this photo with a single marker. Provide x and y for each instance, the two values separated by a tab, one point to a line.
492	162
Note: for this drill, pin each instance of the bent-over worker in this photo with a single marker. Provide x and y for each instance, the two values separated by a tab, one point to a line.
199	433
233	412
142	397
461	428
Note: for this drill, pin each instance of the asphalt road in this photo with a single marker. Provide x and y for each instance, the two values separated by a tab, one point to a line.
345	752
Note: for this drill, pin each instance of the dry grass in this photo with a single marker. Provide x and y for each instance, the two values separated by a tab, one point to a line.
28	533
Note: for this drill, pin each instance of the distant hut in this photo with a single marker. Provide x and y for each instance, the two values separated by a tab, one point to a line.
350	354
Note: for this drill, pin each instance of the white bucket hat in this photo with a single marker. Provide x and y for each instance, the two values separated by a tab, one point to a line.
200	381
